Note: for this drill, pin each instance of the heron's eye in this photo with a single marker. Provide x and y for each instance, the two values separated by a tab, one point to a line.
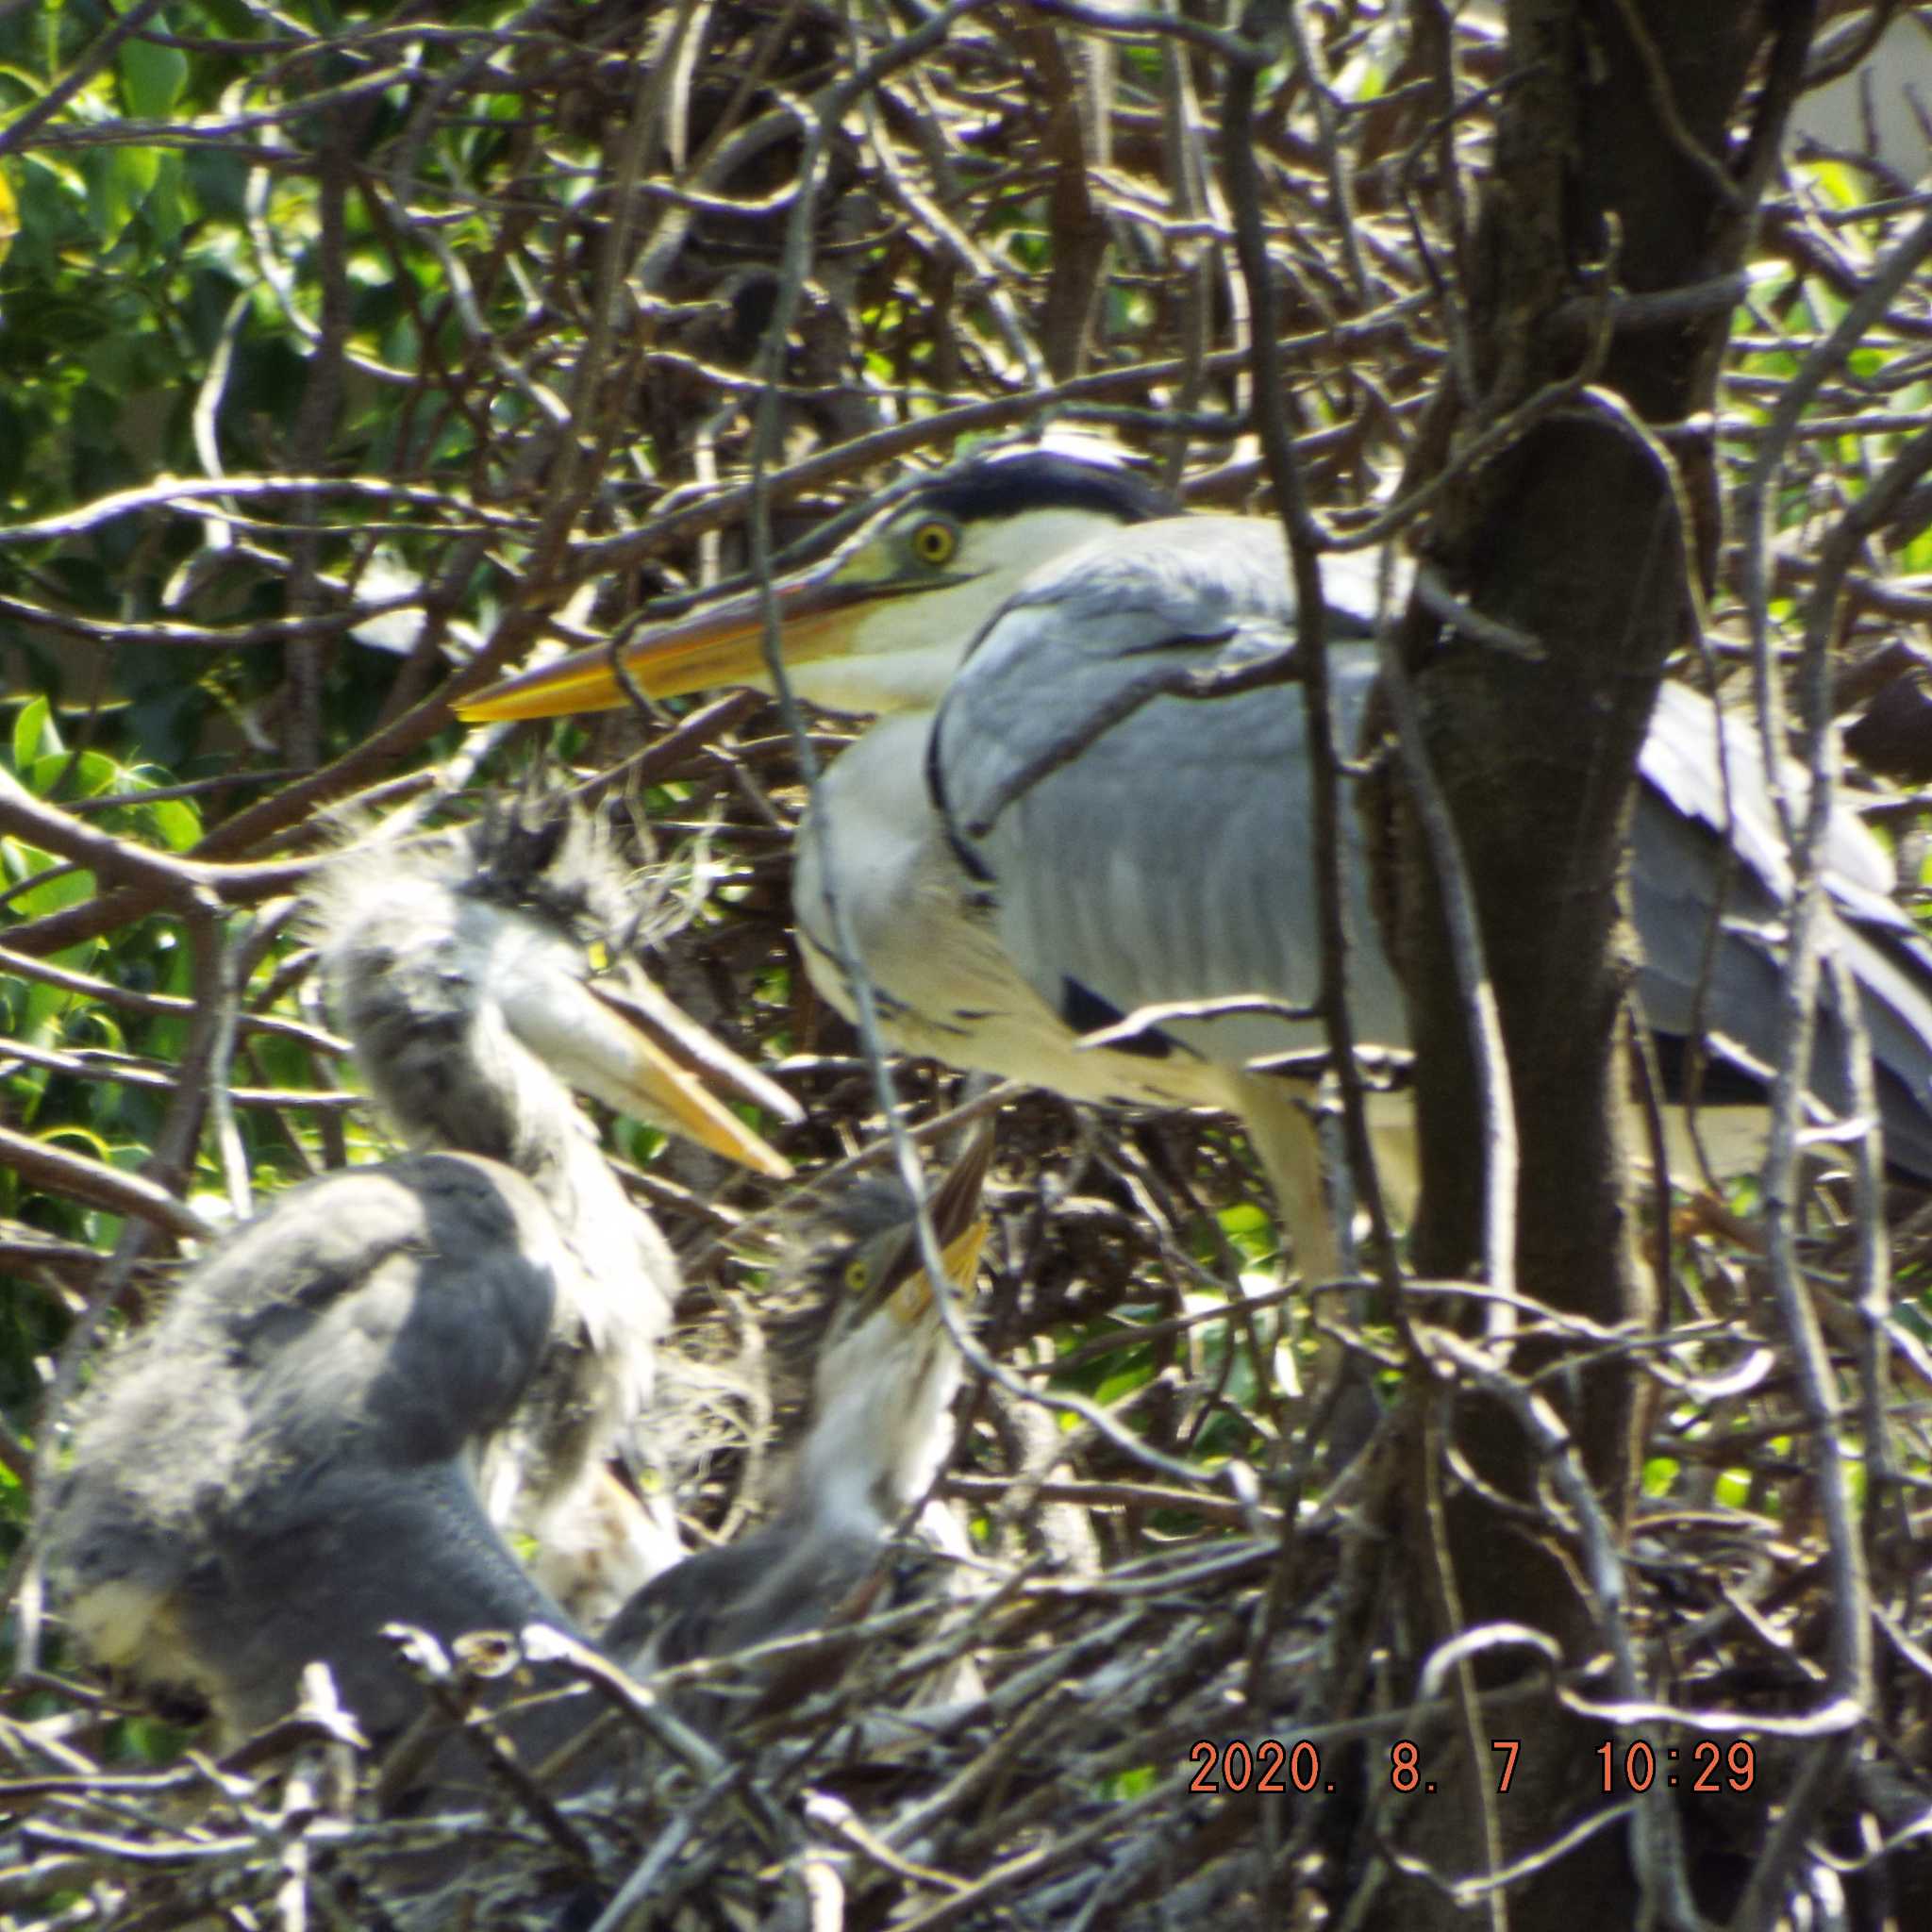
935	543
857	1275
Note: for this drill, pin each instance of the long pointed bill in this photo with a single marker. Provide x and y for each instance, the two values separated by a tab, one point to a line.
701	1053
605	1054
960	1228
722	644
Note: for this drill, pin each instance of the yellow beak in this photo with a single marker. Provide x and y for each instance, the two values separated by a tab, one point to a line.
636	1056
667	1093
961	1231
911	1299
723	645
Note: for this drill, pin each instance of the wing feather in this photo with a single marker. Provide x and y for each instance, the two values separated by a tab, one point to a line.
1678	872
341	1353
1171	860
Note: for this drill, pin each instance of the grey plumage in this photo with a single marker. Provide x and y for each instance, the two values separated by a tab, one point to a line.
340	1408
1677	846
285	1460
856	1453
1171	826
444	984
1228	781
1169	861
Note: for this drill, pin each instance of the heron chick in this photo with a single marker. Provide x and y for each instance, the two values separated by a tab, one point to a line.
876	1430
340	1408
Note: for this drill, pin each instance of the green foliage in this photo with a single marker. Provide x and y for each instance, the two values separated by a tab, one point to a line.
363	249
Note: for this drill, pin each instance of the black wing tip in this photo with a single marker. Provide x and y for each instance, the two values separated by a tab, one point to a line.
1085	1011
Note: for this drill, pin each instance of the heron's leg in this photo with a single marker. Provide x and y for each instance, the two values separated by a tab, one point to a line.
1285	1143
1283	1134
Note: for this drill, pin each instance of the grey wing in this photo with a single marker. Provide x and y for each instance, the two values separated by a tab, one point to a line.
416	1301
1193	577
794	1575
1171	859
1676	871
786	1578
369	1325
674	1616
326	1566
1679	762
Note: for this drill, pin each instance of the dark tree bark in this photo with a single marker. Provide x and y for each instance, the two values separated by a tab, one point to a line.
1618	167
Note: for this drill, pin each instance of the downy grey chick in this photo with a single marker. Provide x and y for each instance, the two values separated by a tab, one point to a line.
340	1408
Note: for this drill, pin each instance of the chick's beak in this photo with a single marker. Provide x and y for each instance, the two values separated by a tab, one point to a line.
642	1056
960	1229
720	645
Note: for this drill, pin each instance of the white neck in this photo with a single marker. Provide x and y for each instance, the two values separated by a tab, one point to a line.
883	1427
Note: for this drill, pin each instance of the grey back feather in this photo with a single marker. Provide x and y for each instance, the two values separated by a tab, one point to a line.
1171	859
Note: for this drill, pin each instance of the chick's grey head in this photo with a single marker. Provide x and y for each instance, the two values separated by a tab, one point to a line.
468	973
875	1423
434	950
826	1245
554	864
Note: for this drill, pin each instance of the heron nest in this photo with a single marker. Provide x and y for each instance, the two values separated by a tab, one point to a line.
1208	1687
1188	1689
1189	1665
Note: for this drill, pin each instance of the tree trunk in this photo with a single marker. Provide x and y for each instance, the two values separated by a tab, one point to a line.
1616	170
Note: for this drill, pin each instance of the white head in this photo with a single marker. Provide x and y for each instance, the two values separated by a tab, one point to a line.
884	623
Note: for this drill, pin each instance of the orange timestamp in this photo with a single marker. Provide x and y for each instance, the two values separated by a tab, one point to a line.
1273	1766
1236	1766
1716	1769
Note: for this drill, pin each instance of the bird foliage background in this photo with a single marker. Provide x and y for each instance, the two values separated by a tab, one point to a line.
342	346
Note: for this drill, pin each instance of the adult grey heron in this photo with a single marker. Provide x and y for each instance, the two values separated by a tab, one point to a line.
318	1433
876	1431
1007	909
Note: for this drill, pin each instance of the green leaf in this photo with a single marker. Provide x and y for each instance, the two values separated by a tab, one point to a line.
35	736
9	214
51	895
176	824
152	78
164	210
1124	1381
1839	184
88	775
118	181
147	1741
94	1026
76	1138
